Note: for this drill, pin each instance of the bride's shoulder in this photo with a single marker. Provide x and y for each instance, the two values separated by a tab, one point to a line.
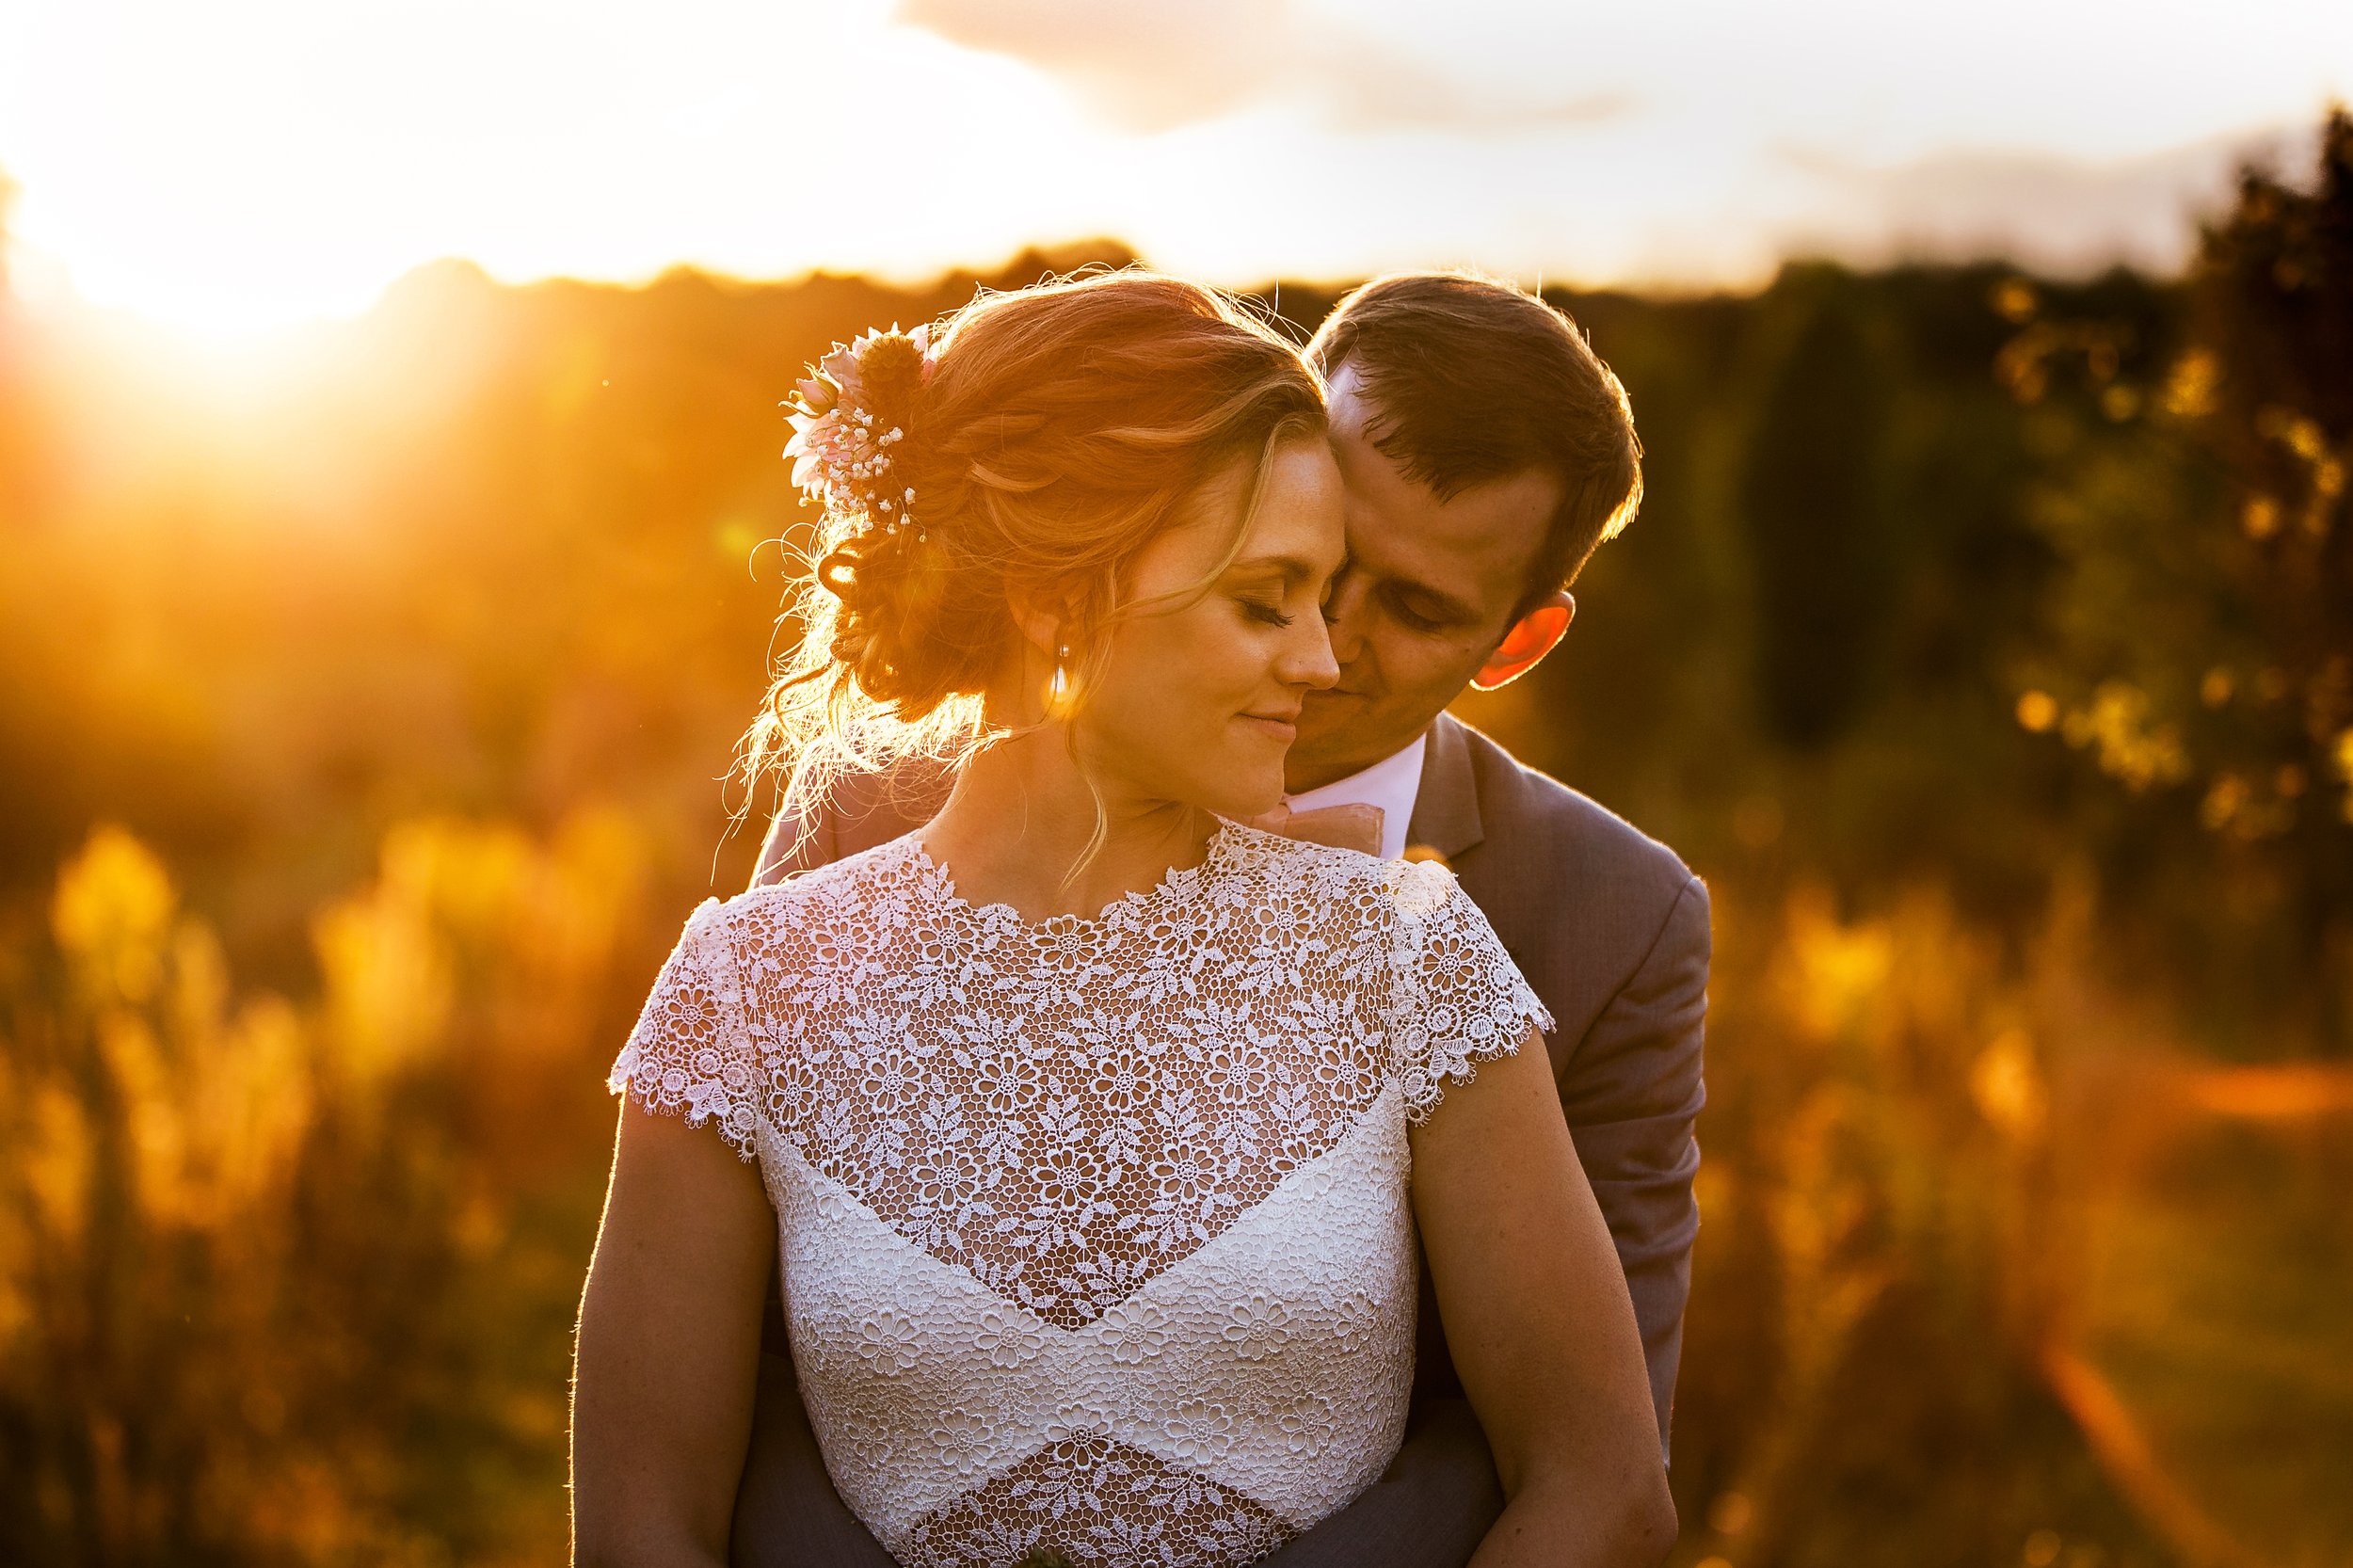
1379	889
847	888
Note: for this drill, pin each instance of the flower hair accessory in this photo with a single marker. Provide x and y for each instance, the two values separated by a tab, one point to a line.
854	407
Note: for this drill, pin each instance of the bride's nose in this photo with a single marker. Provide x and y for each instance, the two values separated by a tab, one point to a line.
1306	657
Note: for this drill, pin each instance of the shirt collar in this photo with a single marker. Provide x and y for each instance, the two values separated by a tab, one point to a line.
1393	784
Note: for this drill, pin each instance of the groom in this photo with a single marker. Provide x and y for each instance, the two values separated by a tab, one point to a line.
1487	451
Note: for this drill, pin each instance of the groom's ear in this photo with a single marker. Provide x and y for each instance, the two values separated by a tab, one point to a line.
1533	635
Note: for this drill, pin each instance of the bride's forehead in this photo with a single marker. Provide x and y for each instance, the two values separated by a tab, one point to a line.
1297	526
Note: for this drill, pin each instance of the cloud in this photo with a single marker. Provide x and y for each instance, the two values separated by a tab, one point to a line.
2061	216
1153	65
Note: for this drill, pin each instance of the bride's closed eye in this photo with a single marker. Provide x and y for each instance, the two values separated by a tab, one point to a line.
1264	613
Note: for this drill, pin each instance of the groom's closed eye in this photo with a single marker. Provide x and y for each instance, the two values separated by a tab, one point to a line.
1421	610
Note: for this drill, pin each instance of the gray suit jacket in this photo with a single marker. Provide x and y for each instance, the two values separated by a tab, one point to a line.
1611	930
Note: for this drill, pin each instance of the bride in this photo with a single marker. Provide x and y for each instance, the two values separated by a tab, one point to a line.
1094	1128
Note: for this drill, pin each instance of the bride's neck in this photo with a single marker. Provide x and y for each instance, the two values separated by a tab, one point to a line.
1022	815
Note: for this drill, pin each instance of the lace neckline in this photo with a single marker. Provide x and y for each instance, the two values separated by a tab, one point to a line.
1177	887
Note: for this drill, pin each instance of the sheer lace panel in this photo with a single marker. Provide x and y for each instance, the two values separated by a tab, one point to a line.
1101	1504
1067	1108
1062	1115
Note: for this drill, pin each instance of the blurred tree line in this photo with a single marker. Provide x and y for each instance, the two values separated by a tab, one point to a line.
1984	641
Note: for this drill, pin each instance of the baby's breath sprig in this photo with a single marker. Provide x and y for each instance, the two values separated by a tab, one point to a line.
853	408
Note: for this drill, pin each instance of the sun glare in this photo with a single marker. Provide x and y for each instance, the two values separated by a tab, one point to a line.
239	166
225	314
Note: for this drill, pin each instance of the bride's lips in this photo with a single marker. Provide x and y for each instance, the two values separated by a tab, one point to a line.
1284	728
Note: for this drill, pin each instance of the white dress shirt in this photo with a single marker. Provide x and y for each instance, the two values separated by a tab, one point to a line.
1393	785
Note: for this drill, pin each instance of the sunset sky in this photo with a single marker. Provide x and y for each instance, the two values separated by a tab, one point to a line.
234	164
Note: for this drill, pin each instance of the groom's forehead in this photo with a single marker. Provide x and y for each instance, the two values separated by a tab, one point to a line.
1475	545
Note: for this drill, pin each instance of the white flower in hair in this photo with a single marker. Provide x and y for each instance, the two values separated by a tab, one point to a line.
855	404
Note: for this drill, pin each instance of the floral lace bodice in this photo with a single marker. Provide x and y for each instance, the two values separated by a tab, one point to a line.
1094	1233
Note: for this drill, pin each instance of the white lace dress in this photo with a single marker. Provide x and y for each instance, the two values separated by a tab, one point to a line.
1094	1233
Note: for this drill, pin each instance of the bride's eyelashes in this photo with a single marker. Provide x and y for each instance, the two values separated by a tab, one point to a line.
1263	613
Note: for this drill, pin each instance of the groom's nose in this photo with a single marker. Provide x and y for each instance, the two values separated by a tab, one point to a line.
1344	617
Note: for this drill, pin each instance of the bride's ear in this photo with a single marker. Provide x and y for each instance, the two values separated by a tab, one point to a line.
1047	677
1040	621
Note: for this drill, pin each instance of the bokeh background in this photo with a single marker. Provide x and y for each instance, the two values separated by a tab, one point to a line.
388	462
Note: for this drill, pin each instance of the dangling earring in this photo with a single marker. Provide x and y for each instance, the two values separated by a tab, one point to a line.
1058	689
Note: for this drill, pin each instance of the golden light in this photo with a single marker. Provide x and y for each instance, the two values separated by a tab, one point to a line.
249	163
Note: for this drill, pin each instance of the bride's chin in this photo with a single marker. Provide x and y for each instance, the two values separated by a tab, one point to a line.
1246	805
1234	787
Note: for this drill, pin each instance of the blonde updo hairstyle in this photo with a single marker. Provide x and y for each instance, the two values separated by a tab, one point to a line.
1058	431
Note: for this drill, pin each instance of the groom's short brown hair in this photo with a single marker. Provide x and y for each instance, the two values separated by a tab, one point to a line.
1470	380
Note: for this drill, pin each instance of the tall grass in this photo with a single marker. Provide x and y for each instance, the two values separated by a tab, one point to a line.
290	1279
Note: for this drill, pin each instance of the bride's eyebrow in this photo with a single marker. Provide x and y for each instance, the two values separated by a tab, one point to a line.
1290	569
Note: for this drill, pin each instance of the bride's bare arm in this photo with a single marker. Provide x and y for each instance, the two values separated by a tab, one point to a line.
1540	1323
668	1348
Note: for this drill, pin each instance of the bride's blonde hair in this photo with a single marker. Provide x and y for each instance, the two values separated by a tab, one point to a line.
1056	431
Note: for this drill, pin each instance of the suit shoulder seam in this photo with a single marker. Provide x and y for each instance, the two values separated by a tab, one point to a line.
1667	919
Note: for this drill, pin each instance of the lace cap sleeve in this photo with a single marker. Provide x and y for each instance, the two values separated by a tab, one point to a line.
1460	999
690	1055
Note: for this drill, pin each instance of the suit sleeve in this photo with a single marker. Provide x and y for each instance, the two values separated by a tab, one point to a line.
1631	1101
793	846
858	812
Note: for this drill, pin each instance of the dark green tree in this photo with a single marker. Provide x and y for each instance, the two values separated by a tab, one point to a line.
2201	641
1809	499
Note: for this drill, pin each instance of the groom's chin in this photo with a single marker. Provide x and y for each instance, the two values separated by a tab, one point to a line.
1323	725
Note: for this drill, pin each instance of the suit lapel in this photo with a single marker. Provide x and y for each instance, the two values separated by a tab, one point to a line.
1446	810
